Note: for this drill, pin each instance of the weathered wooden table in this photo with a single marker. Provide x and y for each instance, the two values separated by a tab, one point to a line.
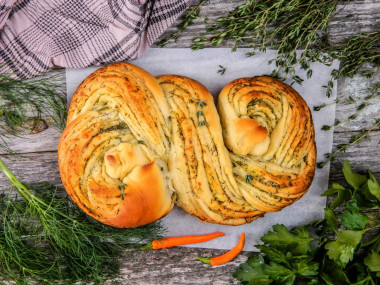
178	265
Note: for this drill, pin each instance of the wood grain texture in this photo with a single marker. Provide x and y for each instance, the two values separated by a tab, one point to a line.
31	168
358	87
178	265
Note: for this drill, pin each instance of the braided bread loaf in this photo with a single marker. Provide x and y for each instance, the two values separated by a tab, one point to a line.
134	145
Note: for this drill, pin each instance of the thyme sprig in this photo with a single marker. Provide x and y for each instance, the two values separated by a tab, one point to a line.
281	24
363	135
288	26
47	239
361	105
23	103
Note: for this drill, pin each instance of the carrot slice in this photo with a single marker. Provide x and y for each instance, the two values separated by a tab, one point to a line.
228	256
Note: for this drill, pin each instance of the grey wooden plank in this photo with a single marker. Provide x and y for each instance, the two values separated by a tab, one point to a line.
178	266
46	140
357	88
353	17
32	168
363	155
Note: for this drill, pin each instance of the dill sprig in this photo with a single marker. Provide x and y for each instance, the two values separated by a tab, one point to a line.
44	238
23	103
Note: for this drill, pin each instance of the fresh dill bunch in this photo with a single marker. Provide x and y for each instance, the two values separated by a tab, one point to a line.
48	239
26	101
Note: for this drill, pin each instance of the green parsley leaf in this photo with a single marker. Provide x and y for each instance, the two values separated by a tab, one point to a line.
373	186
273	254
335	188
332	274
342	250
304	267
253	271
281	274
344	195
331	219
372	260
364	197
297	241
352	178
353	219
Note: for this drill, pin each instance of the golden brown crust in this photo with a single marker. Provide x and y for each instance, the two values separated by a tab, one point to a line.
104	158
128	131
199	161
281	169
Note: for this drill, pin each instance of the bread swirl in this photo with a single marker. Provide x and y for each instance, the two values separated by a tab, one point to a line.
269	129
112	153
134	144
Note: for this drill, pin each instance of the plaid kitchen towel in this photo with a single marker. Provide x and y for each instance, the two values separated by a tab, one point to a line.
36	35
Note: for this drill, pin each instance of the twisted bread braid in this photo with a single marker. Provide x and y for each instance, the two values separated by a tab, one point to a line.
131	143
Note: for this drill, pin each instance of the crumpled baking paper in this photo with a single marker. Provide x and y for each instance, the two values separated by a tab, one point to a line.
203	65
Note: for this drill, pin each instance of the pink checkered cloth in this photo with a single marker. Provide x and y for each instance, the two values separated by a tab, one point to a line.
36	35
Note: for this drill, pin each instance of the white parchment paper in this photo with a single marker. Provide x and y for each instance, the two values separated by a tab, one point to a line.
203	65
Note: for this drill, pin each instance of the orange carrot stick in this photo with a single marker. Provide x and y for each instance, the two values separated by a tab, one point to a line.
174	241
228	256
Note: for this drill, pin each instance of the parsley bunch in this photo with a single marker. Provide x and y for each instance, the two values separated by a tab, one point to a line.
342	248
